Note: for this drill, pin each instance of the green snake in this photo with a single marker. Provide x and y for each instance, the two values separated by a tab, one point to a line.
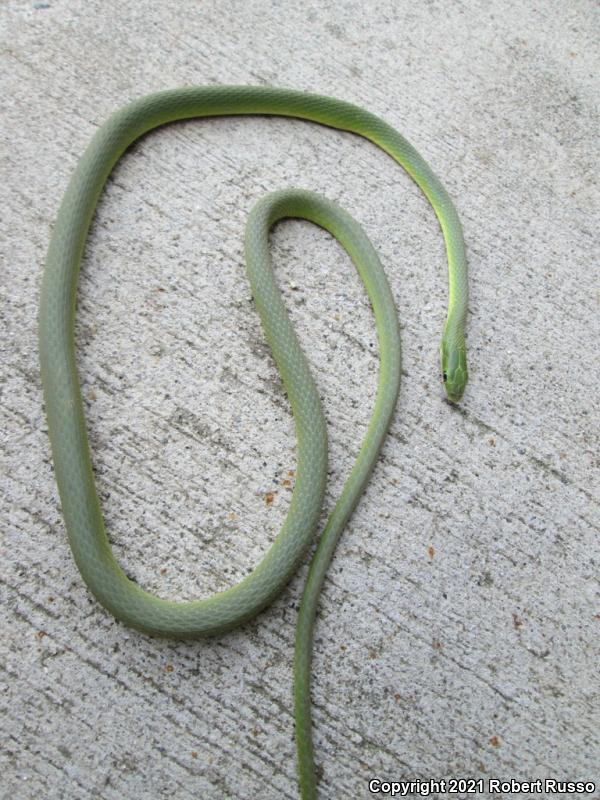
64	409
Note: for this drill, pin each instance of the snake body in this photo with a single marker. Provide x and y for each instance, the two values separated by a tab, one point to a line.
64	409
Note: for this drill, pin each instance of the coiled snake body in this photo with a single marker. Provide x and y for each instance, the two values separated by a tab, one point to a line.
64	409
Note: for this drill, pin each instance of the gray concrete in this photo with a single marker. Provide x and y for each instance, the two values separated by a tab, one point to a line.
460	624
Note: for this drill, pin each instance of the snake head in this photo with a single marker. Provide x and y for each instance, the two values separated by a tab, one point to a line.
454	370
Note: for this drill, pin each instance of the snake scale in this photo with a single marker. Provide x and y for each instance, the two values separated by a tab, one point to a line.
64	409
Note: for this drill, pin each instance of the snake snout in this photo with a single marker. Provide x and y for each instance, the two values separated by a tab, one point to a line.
454	371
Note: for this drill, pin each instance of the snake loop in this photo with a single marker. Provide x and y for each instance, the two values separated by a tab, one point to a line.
64	409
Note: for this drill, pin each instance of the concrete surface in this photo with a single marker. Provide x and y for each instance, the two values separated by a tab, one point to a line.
460	625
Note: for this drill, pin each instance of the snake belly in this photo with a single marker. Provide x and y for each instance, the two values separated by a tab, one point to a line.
64	408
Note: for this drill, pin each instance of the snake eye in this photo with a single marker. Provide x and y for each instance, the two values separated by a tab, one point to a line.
445	376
